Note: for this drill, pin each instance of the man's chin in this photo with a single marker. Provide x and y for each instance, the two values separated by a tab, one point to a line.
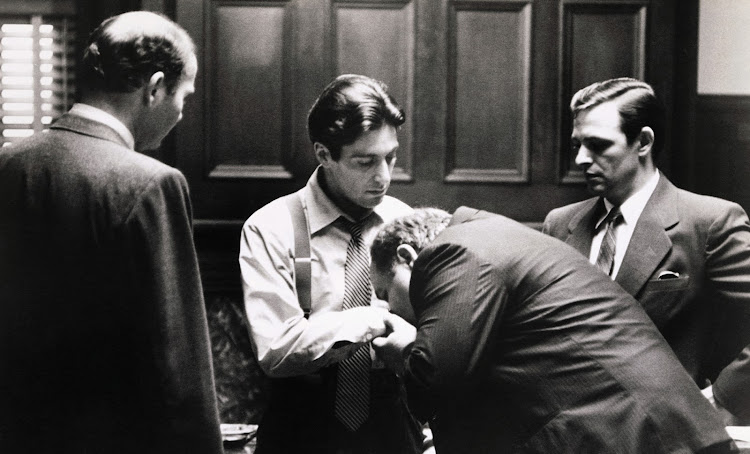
148	146
596	189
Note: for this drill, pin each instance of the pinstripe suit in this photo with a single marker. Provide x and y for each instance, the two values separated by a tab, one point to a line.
523	346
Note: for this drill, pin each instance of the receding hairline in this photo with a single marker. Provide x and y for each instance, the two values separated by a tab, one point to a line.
134	24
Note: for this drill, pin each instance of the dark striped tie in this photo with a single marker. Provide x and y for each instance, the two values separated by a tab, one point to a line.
352	405
606	259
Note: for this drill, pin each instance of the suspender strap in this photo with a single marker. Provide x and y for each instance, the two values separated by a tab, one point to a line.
302	258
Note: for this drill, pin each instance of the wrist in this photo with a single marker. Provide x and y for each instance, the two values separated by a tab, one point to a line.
405	352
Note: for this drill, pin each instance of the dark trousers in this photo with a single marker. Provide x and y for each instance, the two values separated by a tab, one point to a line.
299	418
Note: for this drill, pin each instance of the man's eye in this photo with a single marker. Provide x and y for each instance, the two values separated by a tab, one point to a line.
364	162
390	158
597	146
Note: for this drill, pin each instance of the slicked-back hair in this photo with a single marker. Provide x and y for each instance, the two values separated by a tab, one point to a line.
349	106
417	229
126	50
638	106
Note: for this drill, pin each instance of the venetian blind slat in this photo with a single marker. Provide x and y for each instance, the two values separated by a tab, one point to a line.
36	73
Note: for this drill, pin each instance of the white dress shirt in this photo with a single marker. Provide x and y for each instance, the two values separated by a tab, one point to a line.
100	116
631	210
285	342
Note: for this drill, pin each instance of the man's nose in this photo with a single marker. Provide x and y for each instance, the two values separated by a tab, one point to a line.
383	172
583	157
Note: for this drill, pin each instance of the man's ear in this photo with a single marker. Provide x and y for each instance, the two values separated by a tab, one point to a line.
322	154
153	88
406	254
645	141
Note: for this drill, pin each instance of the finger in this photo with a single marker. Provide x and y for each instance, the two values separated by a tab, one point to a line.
379	342
380	304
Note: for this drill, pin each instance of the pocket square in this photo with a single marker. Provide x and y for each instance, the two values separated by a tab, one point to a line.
668	275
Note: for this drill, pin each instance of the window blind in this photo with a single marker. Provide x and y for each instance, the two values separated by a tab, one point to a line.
37	71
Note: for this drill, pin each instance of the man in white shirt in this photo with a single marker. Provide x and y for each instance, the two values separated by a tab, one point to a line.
353	128
103	337
685	257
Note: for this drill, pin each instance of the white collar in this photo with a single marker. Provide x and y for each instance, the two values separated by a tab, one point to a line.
95	114
632	208
324	211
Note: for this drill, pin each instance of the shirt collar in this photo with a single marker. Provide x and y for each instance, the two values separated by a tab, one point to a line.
95	114
632	208
321	210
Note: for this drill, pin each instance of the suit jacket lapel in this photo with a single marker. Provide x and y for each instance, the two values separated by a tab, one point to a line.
463	214
581	227
650	242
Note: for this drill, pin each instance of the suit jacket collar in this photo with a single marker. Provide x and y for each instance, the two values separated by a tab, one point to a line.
649	243
581	226
462	214
85	126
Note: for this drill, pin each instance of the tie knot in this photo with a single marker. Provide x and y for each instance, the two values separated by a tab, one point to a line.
614	217
354	228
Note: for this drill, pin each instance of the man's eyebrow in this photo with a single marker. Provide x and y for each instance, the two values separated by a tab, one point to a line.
596	139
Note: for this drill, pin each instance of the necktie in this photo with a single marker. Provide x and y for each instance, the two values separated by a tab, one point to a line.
606	259
352	404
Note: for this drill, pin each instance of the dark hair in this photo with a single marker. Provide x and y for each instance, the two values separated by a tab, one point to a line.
126	50
349	106
639	106
417	230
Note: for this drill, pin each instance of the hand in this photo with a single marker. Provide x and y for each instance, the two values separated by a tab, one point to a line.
372	319
380	304
396	345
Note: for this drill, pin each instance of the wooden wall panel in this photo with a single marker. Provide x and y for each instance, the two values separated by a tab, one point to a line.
488	98
601	40
377	39
722	132
249	112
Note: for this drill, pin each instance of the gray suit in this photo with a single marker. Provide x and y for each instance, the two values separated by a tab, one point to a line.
103	336
705	312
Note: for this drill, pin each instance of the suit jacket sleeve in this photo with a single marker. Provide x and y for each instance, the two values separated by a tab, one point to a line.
732	388
727	268
175	352
456	299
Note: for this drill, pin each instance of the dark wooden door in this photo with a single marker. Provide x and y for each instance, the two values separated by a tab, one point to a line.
485	85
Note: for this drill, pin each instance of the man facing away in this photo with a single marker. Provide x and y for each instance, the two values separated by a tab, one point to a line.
327	395
521	346
685	257
103	336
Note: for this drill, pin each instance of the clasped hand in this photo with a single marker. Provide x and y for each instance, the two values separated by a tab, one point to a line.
394	346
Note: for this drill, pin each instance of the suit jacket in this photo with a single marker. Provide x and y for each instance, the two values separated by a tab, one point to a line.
103	335
705	312
523	346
